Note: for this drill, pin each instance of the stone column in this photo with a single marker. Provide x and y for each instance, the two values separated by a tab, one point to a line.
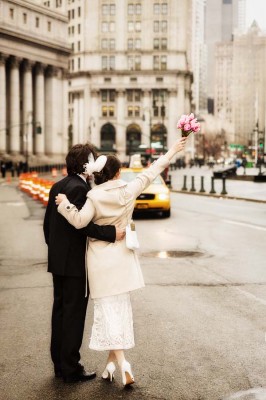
27	108
65	112
147	120
173	118
3	103
121	127
14	106
95	135
180	95
39	108
51	113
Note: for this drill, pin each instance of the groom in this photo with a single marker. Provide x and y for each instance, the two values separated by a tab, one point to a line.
66	261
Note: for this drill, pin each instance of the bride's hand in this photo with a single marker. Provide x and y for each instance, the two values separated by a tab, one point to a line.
59	198
180	144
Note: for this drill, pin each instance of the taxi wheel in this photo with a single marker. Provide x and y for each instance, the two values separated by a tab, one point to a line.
166	214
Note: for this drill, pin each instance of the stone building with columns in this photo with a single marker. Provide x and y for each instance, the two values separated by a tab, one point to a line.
33	81
129	76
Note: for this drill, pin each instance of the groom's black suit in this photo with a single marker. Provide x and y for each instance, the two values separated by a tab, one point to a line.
66	261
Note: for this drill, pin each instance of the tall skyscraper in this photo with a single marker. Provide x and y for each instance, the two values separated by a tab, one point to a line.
223	19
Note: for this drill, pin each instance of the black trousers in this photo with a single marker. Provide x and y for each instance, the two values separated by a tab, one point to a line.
68	318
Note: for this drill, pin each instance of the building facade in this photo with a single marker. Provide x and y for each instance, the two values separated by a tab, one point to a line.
224	18
240	82
33	81
130	79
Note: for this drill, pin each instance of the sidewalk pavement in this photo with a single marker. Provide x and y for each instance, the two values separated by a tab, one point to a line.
236	189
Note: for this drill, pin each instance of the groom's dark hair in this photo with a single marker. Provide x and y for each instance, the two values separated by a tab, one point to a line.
78	156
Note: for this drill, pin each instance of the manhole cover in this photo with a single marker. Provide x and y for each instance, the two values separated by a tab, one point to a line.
172	254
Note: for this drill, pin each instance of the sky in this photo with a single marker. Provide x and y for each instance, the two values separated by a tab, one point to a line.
256	9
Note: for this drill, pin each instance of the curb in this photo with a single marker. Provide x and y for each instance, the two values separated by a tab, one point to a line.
218	196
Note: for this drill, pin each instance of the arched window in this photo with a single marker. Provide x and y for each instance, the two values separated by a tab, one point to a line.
159	138
108	138
133	136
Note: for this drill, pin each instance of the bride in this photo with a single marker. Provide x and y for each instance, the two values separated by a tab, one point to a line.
113	269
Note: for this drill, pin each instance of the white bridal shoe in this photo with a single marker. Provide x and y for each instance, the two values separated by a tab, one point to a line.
108	373
127	376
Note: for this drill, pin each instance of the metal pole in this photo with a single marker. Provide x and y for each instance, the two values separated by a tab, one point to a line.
224	189
202	185
256	143
185	183
192	185
212	185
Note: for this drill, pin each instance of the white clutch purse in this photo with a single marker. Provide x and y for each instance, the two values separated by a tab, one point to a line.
132	242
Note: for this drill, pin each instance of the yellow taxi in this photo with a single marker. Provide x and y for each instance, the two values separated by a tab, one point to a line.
156	198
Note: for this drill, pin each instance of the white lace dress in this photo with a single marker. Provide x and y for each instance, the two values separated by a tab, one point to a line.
113	323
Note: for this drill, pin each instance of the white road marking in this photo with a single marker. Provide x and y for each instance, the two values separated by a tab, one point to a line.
261	228
15	204
259	394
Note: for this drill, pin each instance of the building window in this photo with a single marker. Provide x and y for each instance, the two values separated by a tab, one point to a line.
133	95
104	111
72	64
137	63
24	18
73	30
104	63
111	111
130	9
72	46
105	9
78	45
49	25
164	44
130	26
138	9
104	26
37	22
112	62
130	44
165	8
112	27
79	63
79	11
104	44
138	26
79	28
69	15
130	62
156	8
58	3
156	44
112	9
11	13
163	62
164	26
138	44
112	44
133	111
156	62
156	26
73	14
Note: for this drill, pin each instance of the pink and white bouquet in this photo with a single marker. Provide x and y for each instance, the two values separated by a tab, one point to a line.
188	124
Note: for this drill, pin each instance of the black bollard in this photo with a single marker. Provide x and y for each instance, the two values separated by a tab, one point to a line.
185	183
202	185
224	189
212	188
192	185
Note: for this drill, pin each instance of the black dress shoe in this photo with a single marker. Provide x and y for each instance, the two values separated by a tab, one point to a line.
80	376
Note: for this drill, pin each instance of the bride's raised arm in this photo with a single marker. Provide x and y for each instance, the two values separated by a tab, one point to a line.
144	179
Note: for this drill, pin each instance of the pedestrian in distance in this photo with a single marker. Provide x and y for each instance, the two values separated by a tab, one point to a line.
113	269
66	262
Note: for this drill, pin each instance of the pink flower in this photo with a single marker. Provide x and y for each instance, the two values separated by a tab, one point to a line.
182	119
191	116
187	127
193	123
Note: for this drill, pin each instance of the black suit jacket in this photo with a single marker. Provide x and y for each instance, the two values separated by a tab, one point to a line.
66	244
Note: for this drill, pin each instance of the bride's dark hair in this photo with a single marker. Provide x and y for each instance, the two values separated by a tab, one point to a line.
109	171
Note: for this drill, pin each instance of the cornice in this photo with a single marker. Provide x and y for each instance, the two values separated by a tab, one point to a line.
34	41
31	6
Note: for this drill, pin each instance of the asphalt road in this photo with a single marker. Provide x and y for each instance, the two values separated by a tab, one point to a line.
200	323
